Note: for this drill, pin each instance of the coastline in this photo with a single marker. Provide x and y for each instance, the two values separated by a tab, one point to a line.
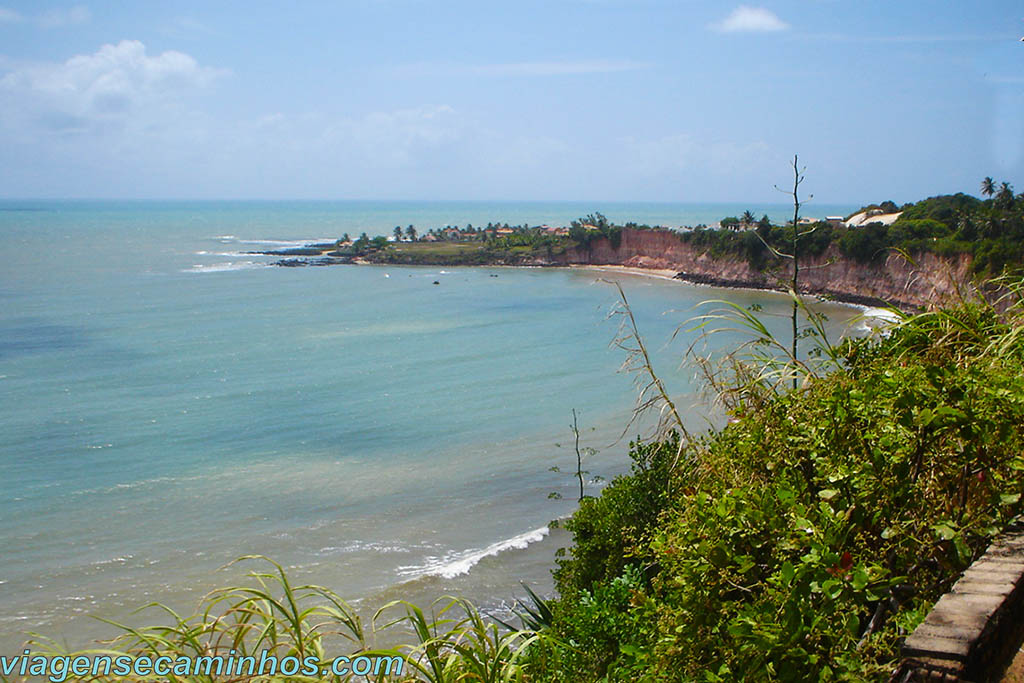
659	273
895	282
870	308
873	307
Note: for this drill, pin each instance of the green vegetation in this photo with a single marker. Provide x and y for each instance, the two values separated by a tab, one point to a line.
805	539
496	244
584	231
512	250
990	231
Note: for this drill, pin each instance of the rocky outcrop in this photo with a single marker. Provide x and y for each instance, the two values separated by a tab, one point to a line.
928	280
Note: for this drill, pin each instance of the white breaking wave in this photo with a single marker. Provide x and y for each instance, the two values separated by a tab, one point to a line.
882	314
223	267
457	564
876	318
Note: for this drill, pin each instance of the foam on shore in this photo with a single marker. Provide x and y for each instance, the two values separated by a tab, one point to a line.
457	564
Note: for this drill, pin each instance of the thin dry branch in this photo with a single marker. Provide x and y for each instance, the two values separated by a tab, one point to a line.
651	393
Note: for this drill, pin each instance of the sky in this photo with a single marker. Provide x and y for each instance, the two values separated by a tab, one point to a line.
629	100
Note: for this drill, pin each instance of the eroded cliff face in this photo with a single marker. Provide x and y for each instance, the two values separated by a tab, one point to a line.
928	281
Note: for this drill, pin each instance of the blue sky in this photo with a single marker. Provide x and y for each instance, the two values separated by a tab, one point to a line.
665	100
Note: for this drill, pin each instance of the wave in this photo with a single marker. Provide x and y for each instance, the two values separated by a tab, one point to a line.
113	560
457	564
873	318
882	314
224	267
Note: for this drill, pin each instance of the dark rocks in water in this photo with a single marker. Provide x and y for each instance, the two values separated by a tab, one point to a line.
493	275
302	262
436	282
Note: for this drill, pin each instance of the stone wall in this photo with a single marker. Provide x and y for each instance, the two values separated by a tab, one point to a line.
973	632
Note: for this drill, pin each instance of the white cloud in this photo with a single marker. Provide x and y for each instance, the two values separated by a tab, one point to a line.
746	19
56	18
9	16
108	85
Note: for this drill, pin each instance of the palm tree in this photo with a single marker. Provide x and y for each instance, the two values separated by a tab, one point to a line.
1004	198
988	187
748	218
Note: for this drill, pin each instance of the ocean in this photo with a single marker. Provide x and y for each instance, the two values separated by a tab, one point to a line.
171	403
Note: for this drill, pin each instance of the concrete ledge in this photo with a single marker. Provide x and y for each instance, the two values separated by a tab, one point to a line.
973	631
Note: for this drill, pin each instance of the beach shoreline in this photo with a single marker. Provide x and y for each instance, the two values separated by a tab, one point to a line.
659	273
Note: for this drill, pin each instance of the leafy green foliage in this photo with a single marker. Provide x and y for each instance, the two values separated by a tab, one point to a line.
944	209
754	246
584	231
990	231
803	540
610	530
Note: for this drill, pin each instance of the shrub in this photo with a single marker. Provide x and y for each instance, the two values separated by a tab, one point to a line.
804	540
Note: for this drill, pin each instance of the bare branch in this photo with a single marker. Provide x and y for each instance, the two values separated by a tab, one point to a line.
652	395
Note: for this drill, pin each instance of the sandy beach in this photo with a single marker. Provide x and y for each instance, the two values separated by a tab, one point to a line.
662	273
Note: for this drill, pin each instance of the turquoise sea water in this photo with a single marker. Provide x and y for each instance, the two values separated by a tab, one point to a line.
171	403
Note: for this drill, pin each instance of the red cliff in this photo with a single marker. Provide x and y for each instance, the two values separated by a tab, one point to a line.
929	280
